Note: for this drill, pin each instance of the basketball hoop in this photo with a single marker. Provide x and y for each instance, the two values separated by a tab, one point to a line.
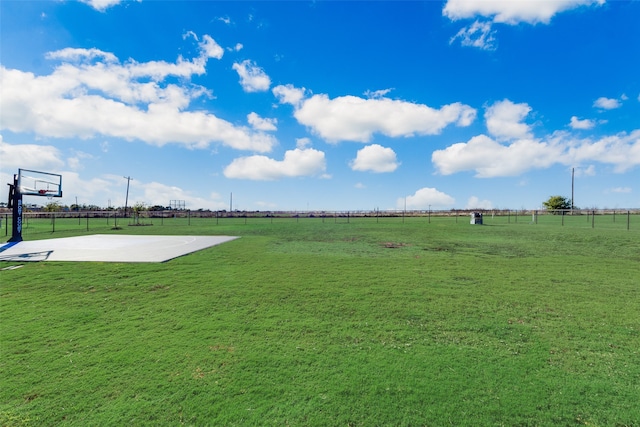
42	192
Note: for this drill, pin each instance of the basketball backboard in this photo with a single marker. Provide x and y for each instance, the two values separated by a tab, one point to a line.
36	183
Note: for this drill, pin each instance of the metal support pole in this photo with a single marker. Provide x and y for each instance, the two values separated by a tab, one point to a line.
16	205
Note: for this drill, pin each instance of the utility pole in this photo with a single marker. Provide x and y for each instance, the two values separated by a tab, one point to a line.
126	200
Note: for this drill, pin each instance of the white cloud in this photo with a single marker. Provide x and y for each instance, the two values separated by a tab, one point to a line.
581	124
46	158
261	123
425	198
288	94
513	150
377	93
582	171
75	162
252	77
211	48
512	12
208	46
624	190
75	54
102	190
489	158
375	158
91	93
296	163
101	5
266	205
621	150
479	34
303	143
504	120
107	187
607	103
155	193
360	186
475	203
110	190
351	118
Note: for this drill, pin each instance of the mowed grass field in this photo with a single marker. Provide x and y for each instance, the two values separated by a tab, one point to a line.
328	323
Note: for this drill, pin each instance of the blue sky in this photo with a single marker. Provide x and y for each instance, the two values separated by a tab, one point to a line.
325	105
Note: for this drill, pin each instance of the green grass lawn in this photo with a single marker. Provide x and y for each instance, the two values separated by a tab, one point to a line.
312	322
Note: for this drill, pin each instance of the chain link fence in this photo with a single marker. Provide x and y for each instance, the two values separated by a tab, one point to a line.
104	221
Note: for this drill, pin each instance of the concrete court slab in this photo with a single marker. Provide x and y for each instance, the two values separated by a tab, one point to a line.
108	248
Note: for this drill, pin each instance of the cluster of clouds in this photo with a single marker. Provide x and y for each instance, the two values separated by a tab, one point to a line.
93	93
481	33
485	14
511	149
105	187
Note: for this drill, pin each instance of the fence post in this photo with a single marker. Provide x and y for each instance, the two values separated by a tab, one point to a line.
628	217
53	222
189	217
593	219
87	221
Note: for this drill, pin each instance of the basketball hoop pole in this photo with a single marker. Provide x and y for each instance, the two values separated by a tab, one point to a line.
15	199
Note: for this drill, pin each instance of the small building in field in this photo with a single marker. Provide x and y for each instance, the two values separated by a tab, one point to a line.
476	218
